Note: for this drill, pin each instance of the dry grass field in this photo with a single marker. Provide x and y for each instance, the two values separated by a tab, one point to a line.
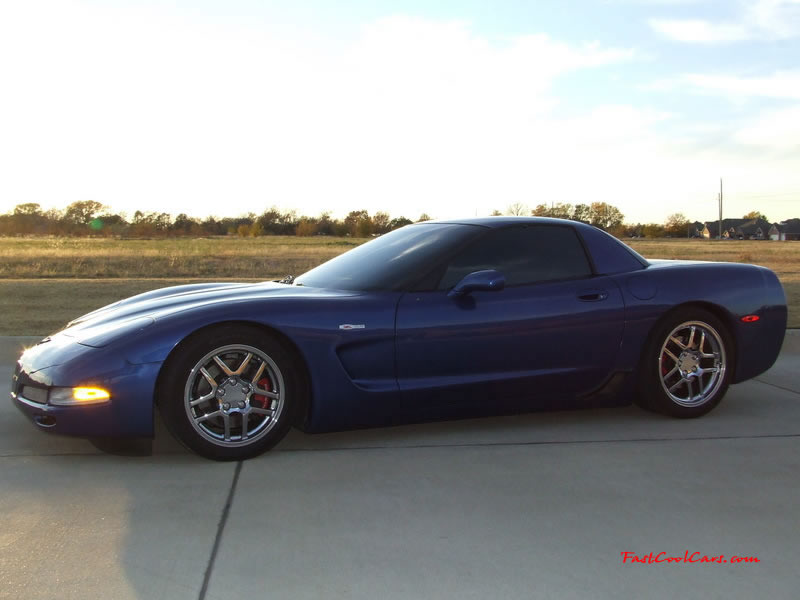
222	257
45	282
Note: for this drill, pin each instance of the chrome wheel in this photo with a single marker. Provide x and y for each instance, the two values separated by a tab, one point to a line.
692	363
234	395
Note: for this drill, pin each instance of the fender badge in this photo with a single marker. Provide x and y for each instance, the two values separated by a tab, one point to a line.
351	326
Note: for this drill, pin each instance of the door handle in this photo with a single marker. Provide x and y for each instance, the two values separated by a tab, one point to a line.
593	295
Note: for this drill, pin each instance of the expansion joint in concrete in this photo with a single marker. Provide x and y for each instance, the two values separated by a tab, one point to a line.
220	530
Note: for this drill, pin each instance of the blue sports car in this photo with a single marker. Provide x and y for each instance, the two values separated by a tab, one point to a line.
434	320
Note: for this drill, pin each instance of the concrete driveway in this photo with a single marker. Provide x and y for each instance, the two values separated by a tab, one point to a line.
537	506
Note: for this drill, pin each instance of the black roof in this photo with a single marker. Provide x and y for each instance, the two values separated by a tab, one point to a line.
751	226
726	224
789	226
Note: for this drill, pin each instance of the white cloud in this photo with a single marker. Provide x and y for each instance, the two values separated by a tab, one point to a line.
697	30
778	85
772	130
776	19
759	20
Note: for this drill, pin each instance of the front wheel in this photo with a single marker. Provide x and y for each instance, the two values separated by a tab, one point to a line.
687	365
229	393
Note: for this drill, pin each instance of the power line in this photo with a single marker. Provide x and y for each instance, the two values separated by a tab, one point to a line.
751	198
756	195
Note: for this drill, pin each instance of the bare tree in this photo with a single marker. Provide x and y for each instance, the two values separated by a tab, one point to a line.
517	209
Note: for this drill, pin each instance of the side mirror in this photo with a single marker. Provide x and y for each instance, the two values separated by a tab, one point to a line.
484	281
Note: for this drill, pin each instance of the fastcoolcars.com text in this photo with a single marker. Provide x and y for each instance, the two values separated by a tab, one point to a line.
693	557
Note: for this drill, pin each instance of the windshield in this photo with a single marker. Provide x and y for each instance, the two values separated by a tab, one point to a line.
391	261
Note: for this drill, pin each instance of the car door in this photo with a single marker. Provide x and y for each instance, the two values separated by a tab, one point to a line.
554	331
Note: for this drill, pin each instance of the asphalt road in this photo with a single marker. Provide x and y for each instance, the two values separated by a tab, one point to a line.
537	506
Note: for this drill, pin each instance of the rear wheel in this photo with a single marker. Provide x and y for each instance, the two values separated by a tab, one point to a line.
686	368
229	393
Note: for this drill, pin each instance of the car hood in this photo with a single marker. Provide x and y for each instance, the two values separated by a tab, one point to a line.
133	314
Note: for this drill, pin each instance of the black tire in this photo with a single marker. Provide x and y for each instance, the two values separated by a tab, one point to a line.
680	377
208	392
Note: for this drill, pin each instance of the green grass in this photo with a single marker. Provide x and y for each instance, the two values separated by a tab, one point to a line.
45	282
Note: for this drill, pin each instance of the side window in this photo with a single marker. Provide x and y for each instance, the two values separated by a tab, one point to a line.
527	254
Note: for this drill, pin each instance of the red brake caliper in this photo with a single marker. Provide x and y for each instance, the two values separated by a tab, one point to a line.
265	384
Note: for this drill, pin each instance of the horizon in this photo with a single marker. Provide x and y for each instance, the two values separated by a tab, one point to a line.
407	108
108	211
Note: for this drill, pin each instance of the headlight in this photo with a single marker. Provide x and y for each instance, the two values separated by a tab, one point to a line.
78	396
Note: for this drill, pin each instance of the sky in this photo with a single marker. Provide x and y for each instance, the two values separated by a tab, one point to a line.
451	108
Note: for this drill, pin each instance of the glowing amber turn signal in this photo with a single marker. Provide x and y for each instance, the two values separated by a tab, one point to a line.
750	319
89	394
78	396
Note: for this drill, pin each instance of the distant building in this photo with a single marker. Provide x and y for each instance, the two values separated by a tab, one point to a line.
711	229
788	230
738	229
757	229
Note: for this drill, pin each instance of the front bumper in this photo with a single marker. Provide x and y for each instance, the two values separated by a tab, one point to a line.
129	412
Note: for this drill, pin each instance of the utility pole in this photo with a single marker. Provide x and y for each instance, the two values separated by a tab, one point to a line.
720	208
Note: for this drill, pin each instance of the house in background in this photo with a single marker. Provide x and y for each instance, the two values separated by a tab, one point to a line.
738	229
788	230
711	229
757	229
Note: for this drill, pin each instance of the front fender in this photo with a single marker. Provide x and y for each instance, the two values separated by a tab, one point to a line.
128	413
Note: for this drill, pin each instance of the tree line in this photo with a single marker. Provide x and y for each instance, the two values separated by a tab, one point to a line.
609	218
600	214
92	218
